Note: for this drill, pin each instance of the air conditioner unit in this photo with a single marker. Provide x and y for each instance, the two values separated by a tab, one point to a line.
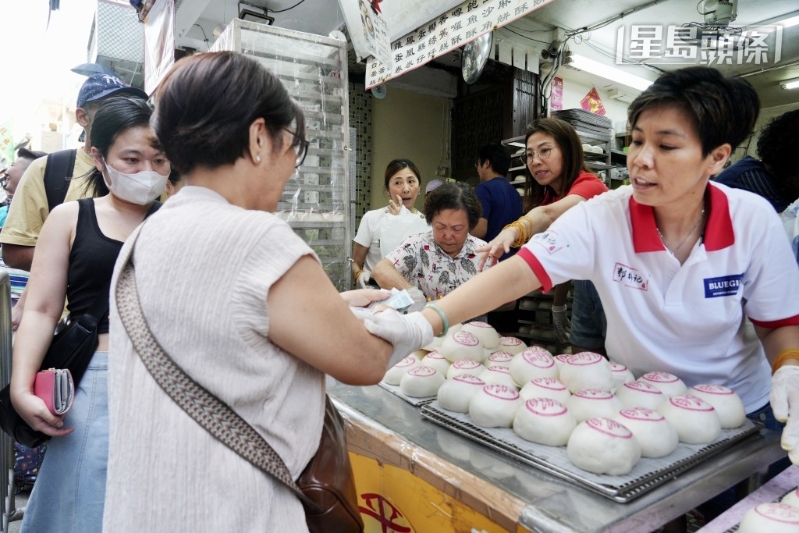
621	96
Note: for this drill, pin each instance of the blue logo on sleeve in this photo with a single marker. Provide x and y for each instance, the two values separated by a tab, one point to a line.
723	286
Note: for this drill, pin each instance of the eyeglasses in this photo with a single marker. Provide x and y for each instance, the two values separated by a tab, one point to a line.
300	146
543	154
4	180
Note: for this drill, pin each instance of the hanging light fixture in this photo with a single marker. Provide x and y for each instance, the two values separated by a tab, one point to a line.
255	14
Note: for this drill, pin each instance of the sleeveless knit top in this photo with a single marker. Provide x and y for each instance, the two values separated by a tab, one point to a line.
91	262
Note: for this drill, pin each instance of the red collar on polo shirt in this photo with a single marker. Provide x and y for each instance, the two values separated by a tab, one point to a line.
718	230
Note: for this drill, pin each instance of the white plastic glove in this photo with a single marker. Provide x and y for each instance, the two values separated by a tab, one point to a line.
785	404
363	280
419	300
407	333
561	323
361	313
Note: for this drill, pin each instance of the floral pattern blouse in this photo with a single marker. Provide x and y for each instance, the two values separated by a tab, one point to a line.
424	264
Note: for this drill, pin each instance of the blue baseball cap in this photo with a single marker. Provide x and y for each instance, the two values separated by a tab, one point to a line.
99	86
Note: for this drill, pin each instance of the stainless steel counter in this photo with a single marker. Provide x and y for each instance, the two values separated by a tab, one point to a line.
553	505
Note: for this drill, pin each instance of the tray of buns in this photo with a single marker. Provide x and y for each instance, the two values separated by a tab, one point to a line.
646	475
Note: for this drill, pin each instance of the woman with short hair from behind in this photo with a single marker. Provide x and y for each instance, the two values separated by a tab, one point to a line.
247	313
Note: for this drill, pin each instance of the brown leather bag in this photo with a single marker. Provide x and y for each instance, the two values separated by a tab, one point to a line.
326	487
328	482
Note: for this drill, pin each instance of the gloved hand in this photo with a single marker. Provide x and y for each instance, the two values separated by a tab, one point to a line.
419	300
785	404
407	333
363	280
561	323
361	313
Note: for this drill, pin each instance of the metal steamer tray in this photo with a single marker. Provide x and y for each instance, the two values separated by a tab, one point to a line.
645	476
395	390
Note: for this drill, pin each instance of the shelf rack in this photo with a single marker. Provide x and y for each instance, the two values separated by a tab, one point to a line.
316	200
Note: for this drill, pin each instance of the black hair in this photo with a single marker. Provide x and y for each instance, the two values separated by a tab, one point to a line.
497	155
722	110
114	116
207	102
32	155
175	177
573	159
775	148
453	195
398	164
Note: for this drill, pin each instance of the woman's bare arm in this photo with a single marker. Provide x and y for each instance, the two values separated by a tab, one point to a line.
310	320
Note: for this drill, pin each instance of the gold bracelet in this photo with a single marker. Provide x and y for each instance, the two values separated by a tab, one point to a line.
784	355
357	275
521	239
518	228
524	221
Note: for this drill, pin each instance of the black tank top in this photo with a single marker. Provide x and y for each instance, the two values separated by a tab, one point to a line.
91	261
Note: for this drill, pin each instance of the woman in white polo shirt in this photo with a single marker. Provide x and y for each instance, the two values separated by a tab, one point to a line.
678	262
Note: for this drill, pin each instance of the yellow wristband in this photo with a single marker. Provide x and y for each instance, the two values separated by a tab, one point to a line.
357	275
784	355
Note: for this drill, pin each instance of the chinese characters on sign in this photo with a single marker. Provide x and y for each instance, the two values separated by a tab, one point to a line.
451	30
375	32
690	45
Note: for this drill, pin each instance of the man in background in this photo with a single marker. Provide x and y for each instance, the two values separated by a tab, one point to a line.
501	202
49	181
34	199
10	177
775	176
502	205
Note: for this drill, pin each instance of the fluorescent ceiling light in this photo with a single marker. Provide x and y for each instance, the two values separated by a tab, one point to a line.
609	73
789	22
769	26
790	84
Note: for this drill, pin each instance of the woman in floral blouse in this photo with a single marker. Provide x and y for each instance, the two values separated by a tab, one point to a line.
442	259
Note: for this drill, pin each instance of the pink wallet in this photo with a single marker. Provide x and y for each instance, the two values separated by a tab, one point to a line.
56	388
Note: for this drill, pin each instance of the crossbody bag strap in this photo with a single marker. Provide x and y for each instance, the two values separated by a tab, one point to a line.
211	413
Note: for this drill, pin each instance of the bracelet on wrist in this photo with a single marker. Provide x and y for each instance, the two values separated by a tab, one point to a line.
357	275
442	315
521	238
783	356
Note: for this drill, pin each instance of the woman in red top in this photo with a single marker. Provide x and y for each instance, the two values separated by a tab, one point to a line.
557	179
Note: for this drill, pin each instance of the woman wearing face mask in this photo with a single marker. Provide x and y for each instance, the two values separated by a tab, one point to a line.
74	258
402	183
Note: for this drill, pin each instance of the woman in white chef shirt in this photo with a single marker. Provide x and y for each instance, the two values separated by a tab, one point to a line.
402	185
678	262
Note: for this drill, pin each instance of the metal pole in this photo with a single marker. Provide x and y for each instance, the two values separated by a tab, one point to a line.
6	443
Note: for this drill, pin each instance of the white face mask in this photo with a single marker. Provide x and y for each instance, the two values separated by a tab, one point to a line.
140	188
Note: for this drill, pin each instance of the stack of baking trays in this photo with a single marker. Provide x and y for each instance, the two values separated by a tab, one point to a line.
579	416
583	120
